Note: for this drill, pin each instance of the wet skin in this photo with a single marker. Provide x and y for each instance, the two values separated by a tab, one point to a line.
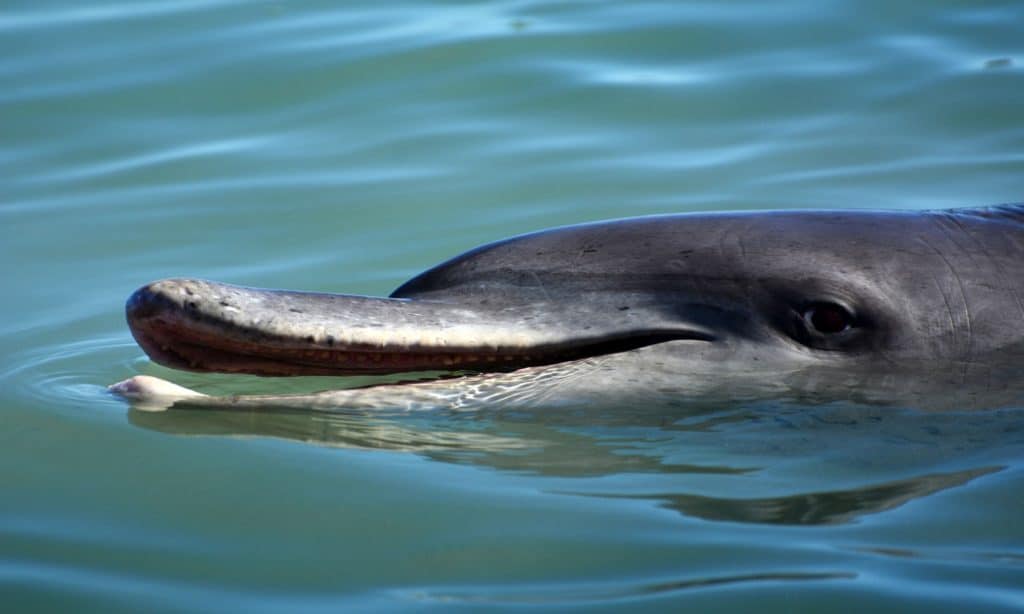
810	301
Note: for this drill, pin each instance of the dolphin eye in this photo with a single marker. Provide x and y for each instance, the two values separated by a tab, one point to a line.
828	318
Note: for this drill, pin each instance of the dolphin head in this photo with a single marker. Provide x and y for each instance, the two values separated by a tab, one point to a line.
864	290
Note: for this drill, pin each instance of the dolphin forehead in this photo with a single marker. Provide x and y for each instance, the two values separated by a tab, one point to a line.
656	253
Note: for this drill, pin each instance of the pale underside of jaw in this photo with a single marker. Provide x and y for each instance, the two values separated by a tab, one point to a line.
584	381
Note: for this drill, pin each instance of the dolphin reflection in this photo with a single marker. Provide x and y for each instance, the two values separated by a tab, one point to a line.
698	458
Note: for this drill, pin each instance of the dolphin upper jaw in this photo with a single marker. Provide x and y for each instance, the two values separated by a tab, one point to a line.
201	325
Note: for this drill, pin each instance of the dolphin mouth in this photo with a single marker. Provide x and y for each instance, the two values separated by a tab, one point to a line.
198	325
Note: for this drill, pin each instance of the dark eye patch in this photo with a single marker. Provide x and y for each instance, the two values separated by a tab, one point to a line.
828	318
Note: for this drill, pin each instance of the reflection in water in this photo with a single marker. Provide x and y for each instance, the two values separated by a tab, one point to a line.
817	508
513	443
337	429
729	446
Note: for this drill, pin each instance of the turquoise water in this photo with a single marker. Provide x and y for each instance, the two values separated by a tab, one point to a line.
321	146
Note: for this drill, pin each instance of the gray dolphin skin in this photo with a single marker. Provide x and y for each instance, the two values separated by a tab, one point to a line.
878	305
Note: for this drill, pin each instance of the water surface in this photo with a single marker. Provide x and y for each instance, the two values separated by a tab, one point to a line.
319	147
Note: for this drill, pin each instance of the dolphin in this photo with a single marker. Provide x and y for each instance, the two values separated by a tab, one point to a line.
880	306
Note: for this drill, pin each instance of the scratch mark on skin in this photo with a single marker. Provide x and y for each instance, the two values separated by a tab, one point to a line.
941	286
540	284
729	240
990	260
943	223
721	241
742	232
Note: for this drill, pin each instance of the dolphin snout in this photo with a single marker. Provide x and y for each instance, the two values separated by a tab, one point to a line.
209	326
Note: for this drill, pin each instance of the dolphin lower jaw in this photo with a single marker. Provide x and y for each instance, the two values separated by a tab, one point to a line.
205	326
179	346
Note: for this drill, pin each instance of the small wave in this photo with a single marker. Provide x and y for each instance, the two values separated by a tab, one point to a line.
211	148
74	372
601	593
101	13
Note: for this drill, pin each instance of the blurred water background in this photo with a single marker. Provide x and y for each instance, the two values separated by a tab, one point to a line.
347	146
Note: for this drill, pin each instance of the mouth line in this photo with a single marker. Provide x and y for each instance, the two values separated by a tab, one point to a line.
177	345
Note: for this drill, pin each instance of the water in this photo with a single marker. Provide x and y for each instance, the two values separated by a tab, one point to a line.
324	148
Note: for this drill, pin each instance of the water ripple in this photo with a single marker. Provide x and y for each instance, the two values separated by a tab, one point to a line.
70	373
128	11
580	595
206	149
329	146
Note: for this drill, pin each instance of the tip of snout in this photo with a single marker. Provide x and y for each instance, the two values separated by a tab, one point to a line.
139	304
148	300
149	310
